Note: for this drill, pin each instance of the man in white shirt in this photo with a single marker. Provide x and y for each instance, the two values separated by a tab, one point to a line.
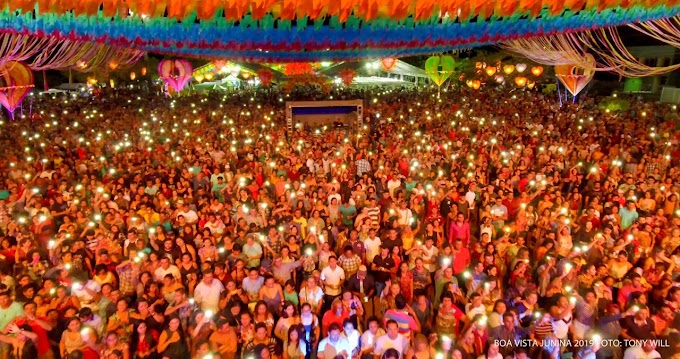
86	293
372	245
207	293
405	214
391	340
189	214
166	268
334	345
333	277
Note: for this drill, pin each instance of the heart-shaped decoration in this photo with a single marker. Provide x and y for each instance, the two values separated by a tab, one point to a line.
439	69
490	71
576	78
520	81
521	67
17	82
175	73
388	63
508	69
537	71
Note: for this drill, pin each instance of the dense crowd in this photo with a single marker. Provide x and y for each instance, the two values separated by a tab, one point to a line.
465	224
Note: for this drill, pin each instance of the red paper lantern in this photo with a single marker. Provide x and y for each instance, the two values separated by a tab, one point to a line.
388	63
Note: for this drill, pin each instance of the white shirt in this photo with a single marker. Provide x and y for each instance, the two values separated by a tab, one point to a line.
352	339
405	216
333	277
337	198
207	296
637	352
311	296
372	248
328	350
368	339
471	312
160	273
86	300
190	216
384	342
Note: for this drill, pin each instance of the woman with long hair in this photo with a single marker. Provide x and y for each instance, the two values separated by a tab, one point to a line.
172	342
295	346
143	343
288	319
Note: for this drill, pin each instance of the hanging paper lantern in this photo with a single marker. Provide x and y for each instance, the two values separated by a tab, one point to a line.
499	78
521	67
347	76
576	78
133	75
490	70
388	63
17	81
476	84
508	69
176	73
537	71
439	68
265	76
531	84
143	71
520	81
470	83
209	76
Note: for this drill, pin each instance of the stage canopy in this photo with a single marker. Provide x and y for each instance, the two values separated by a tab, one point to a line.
314	30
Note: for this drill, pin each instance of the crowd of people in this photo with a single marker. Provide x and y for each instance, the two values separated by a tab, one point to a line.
454	224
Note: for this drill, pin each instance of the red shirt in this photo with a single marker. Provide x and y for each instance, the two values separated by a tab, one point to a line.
43	341
461	260
331	317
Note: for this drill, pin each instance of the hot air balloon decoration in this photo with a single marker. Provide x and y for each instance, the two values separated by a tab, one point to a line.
17	82
176	73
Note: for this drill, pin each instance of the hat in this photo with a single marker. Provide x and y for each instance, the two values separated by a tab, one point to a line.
362	269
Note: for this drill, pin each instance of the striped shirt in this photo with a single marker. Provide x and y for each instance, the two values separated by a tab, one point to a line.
405	322
374	214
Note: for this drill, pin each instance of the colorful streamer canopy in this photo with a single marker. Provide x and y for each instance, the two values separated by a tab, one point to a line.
17	82
49	53
611	54
313	30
